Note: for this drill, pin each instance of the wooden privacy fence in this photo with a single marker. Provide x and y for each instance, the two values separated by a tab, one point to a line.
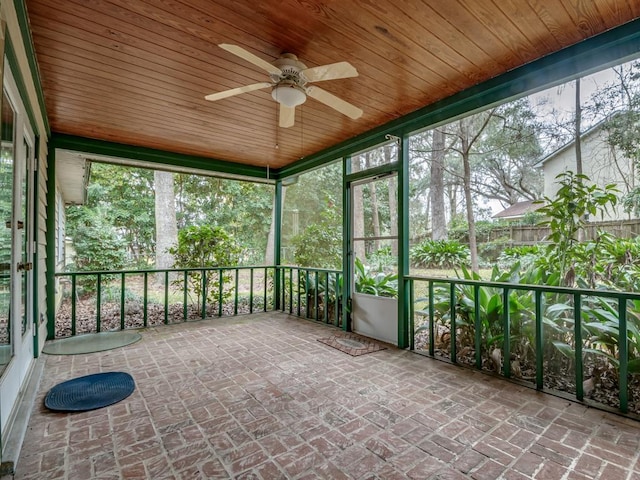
531	234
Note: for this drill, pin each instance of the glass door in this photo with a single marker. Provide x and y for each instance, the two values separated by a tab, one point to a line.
6	238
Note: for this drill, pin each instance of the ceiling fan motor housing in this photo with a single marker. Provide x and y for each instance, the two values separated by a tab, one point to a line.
291	68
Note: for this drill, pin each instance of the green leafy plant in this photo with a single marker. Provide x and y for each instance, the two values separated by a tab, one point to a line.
320	244
97	246
440	254
576	199
201	247
380	284
381	259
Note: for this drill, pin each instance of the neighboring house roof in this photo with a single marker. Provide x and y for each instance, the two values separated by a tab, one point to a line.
519	209
571	144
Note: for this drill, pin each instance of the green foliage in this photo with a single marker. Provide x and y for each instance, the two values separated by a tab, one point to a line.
243	209
490	251
380	284
97	245
440	254
531	218
381	259
567	215
201	247
320	243
526	255
123	198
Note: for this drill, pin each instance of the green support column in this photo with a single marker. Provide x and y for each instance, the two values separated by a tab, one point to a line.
346	245
51	243
277	237
403	243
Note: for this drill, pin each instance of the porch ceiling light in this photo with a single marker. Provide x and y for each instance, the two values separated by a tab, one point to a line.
289	95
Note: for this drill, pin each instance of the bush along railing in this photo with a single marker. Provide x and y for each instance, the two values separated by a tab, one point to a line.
581	344
101	301
313	293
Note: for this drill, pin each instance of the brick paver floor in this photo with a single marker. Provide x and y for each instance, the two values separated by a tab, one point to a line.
258	397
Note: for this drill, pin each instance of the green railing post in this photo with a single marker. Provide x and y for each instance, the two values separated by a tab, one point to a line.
204	292
298	292
539	338
122	300
291	290
507	332
623	351
235	299
315	296
185	307
412	320
145	307
452	298
251	290
264	300
277	236
325	301
478	326
166	297
432	329
306	293
99	303
73	305
220	293
338	302
577	337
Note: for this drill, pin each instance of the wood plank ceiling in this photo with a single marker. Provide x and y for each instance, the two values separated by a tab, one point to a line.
136	72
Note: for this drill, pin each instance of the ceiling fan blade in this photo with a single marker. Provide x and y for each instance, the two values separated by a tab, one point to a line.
250	57
236	91
332	71
334	102
287	116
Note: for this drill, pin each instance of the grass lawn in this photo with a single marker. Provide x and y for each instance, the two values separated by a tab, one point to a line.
485	273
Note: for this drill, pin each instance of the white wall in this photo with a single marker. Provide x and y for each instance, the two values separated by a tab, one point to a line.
600	162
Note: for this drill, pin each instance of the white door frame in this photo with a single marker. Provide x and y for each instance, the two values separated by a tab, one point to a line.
18	369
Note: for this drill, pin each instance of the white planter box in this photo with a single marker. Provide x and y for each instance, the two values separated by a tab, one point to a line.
375	317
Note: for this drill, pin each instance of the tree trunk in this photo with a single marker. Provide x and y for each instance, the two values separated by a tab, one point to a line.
473	247
358	218
453	200
578	128
436	192
166	226
578	143
393	203
374	206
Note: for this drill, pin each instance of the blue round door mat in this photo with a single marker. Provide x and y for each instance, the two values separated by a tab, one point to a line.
90	392
91	342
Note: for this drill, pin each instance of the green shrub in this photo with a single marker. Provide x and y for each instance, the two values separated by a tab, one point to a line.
320	244
440	254
201	247
379	284
381	259
525	255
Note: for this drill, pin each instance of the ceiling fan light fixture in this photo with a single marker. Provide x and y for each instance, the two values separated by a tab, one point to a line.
289	95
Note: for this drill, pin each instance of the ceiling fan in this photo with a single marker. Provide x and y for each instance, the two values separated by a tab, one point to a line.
290	79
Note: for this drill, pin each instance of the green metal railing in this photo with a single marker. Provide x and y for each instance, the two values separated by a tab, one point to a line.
313	293
97	301
94	291
544	330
